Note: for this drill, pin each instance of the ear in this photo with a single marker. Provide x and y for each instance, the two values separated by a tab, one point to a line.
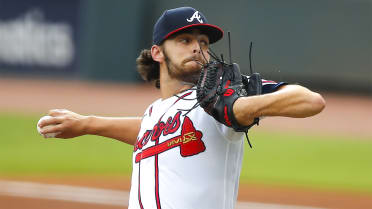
157	53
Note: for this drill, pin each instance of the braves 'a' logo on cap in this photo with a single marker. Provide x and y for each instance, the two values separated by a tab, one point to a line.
195	15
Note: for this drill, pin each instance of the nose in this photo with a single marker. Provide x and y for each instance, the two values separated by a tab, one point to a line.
195	47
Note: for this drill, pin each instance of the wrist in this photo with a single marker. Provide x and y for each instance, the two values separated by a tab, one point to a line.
87	124
243	111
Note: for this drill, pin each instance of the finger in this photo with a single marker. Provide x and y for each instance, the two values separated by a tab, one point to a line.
51	129
60	135
51	121
57	112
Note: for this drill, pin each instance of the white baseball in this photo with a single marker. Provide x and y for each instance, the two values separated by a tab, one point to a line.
48	135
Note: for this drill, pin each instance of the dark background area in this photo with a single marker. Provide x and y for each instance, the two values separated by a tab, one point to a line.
322	44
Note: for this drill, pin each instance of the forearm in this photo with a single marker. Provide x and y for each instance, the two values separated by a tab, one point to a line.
289	101
67	124
124	129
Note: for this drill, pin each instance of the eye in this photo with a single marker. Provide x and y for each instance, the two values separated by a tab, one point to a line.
184	40
203	41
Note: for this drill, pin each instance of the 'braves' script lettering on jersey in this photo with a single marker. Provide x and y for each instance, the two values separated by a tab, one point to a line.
171	126
195	15
189	141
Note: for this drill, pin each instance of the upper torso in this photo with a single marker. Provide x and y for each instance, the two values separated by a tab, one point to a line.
184	161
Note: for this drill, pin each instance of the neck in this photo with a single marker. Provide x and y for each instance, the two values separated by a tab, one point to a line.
170	86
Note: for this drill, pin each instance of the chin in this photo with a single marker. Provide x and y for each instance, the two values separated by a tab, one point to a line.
193	69
191	76
192	66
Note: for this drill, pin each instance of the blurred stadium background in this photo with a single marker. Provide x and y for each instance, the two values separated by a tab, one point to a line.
80	55
322	44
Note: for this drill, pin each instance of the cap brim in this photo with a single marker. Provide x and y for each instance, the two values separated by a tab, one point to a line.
213	32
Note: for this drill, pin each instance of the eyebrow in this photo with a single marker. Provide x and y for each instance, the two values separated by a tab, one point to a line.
190	32
202	35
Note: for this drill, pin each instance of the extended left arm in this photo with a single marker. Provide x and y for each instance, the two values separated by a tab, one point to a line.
289	101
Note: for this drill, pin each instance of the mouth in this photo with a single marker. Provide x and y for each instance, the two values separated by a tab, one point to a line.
195	59
199	62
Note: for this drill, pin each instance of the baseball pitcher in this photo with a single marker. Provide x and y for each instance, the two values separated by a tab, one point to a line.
188	145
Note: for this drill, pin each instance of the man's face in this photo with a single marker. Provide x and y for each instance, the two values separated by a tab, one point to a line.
184	55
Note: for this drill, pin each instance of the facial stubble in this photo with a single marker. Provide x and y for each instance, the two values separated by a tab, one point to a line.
179	73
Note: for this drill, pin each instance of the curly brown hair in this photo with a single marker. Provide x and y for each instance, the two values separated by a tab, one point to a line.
148	68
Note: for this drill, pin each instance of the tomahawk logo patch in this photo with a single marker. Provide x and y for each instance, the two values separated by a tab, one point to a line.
189	141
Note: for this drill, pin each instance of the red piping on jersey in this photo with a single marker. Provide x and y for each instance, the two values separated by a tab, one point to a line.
157	180
139	156
139	186
181	97
157	197
266	81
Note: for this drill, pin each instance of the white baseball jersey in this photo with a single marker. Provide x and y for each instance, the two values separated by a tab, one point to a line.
185	161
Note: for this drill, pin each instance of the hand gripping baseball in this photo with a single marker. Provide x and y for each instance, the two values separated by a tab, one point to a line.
62	124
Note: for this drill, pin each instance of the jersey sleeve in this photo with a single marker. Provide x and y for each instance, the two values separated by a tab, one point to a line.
269	86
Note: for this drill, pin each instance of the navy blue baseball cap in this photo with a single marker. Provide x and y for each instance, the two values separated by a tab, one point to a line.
178	19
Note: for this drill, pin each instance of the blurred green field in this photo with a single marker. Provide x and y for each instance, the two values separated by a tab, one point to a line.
311	160
317	161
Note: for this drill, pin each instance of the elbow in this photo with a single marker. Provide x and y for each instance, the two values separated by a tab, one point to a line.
318	103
